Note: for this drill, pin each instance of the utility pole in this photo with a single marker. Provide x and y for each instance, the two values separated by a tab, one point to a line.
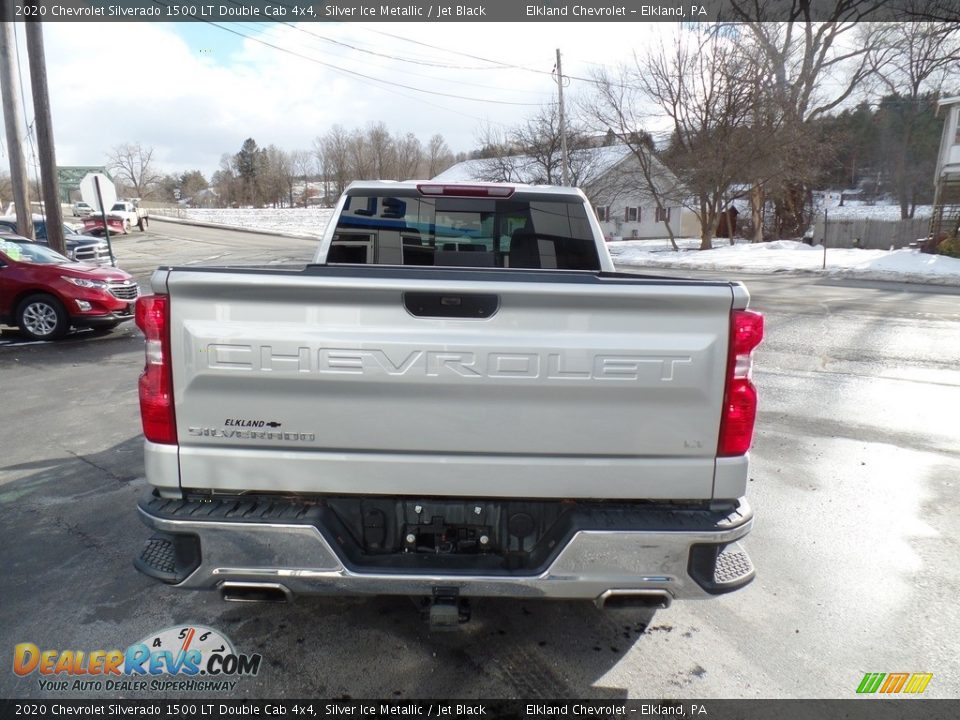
11	119
44	128
563	124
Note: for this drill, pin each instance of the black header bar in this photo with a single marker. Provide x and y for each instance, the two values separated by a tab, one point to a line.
480	10
864	708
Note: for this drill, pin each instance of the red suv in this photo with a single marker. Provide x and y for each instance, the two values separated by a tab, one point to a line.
44	293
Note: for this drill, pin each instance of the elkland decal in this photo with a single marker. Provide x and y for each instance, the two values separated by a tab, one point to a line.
191	658
894	683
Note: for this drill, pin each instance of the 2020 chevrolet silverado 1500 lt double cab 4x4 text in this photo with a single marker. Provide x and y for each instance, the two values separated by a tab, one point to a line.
461	397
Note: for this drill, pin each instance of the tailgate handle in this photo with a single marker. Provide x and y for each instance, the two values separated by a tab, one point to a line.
451	305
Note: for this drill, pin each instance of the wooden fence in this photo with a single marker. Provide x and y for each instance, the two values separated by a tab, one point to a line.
869	233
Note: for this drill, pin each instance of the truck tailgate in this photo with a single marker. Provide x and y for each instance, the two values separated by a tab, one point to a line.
455	383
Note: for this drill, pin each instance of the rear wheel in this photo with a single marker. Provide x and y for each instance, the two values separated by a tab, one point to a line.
42	317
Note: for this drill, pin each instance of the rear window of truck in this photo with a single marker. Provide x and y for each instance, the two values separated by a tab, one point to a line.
464	232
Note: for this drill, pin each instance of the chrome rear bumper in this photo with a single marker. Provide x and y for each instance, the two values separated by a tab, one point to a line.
298	558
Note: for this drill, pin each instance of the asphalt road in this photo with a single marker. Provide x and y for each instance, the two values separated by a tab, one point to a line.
854	479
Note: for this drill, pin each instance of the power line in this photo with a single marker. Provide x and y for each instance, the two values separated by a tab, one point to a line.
433	78
354	73
28	125
500	65
393	57
387	87
370	78
384	85
411	60
503	65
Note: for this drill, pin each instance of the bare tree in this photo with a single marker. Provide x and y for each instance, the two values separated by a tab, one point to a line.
225	182
531	151
132	164
360	155
500	158
810	69
933	11
799	55
276	176
301	162
712	97
382	154
439	157
409	156
912	61
616	104
335	148
539	139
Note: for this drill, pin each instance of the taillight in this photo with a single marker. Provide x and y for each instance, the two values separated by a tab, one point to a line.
493	191
156	380
740	396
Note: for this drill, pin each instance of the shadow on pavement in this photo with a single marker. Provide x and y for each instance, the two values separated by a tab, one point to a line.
70	531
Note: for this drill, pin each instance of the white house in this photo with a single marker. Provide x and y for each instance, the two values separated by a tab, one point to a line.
946	206
948	161
613	179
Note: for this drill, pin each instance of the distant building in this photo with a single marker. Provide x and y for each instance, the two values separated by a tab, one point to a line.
946	204
612	179
727	224
310	193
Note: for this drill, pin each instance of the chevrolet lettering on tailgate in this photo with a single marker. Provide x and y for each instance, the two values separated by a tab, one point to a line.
370	361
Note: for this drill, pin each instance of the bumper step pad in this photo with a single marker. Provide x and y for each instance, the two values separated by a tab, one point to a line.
721	569
733	565
169	558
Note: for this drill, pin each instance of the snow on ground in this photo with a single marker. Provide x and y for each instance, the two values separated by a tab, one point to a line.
299	221
773	257
905	265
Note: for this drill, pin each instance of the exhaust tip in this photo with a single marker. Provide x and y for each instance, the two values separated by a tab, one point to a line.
255	592
631	599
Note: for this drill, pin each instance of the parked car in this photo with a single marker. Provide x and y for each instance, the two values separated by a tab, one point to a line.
80	247
44	293
82	209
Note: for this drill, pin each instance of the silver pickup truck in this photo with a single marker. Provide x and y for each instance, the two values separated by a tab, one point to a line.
459	398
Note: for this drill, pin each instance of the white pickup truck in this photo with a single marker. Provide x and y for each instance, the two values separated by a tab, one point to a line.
131	214
459	398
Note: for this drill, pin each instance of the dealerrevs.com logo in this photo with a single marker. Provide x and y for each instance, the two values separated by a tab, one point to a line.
178	658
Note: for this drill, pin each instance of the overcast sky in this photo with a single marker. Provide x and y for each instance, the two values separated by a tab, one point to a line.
194	91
